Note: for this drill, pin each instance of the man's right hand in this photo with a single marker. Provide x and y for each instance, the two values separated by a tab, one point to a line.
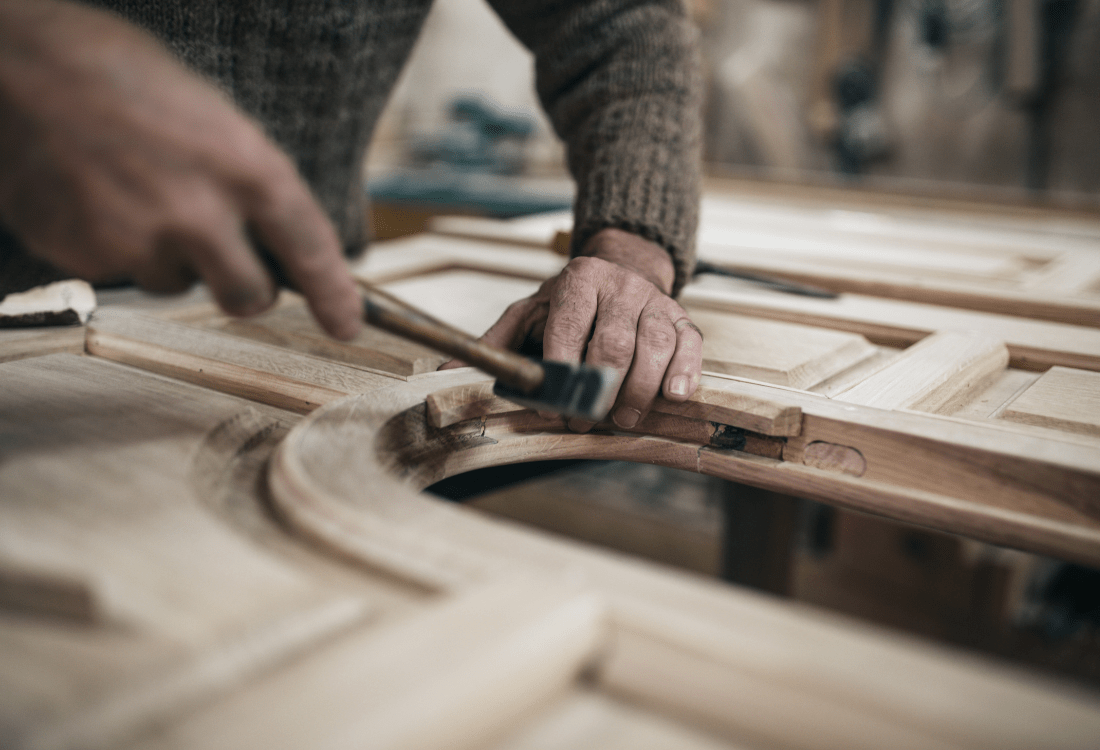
115	161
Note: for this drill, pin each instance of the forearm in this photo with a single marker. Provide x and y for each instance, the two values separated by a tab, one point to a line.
622	85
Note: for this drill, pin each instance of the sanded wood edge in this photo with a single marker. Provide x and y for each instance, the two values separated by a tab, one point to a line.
822	695
125	716
457	673
1081	311
494	678
371	360
29	342
1045	344
940	511
933	375
369	539
210	373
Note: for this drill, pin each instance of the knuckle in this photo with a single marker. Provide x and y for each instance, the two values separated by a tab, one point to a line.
568	329
660	338
616	345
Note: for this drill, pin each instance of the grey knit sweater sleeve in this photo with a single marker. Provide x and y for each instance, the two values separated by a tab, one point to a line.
621	82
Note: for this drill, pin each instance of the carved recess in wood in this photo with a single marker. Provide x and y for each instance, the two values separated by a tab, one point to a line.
833	457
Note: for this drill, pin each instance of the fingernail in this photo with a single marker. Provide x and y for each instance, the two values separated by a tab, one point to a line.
547	414
580	425
678	386
627	417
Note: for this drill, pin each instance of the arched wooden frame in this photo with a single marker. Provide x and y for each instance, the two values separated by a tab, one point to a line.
348	475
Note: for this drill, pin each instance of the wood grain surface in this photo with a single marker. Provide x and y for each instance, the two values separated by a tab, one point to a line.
1062	399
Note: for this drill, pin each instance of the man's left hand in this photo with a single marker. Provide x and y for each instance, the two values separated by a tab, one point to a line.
611	307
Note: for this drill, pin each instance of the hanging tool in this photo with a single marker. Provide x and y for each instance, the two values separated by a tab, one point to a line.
768	282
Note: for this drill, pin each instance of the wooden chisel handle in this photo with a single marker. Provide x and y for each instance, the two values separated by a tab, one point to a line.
387	312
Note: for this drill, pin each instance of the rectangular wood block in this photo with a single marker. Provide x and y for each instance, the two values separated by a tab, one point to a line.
785	354
1062	399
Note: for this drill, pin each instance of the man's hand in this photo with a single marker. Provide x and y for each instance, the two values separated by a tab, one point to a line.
116	162
610	307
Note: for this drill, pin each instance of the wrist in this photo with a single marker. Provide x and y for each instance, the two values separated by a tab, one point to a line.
648	259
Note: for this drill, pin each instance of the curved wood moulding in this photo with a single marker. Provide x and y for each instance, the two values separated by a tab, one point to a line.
349	474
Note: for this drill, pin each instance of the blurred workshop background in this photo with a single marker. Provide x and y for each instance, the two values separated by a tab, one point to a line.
987	99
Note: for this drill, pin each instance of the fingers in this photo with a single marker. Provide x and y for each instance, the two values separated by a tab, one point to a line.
208	239
295	230
655	347
573	300
683	372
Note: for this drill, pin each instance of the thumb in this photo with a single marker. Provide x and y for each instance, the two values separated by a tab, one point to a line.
508	332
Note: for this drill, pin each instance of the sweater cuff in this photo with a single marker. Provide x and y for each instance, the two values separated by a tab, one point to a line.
647	188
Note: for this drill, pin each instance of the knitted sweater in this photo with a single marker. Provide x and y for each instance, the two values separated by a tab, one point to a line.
619	79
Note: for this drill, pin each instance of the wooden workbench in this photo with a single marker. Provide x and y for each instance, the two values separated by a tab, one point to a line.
212	535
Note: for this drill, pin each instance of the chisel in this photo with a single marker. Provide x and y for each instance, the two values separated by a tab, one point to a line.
572	390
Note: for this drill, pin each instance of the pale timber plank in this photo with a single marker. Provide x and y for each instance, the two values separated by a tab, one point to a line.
909	212
19	343
96	482
935	375
1003	297
1032	344
589	720
538	230
459	675
429	253
781	353
1062	399
1071	274
469	300
734	243
698	671
227	363
292	327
